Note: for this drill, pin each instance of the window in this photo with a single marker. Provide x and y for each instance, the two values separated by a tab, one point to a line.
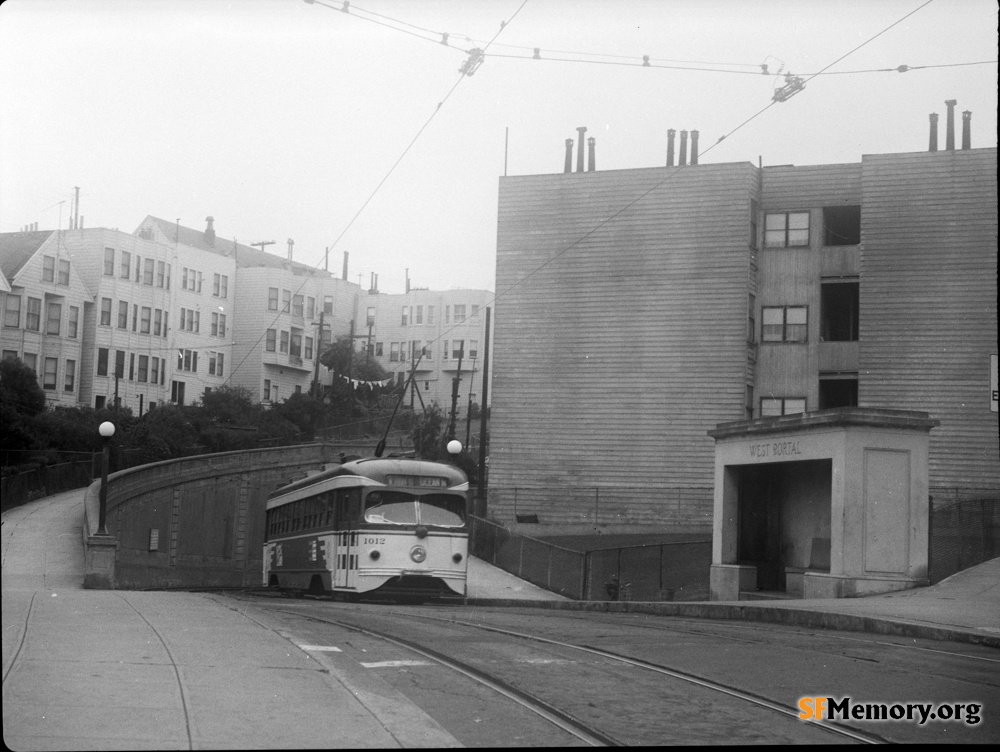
145	319
473	348
286	301
187	360
48	268
12	354
73	324
475	311
102	361
418	349
31	361
393	352
69	380
131	367
100	401
109	262
190	320
749	404
447	314
297	306
271	341
126	269
220	286
786	230
430	314
215	363
138	269
143	375
33	320
838	312
295	349
405	316
154	369
168	287
123	314
105	311
459	314
50	374
267	390
328	304
752	318
838	391
310	307
786	324
771	407
309	348
420	315
157	322
120	364
218	325
63	273
457	348
379	349
444	355
135	317
841	225
283	347
53	321
161	273
272	298
147	272
12	311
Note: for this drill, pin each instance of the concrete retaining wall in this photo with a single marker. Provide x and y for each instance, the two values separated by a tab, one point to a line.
197	521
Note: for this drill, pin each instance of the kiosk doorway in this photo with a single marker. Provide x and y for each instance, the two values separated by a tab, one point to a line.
784	521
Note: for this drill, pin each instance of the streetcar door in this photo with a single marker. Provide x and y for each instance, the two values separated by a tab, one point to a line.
348	508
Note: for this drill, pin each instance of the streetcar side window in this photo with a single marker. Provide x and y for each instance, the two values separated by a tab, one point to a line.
347	506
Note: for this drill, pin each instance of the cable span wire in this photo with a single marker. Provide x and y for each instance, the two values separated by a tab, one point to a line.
633	202
437	109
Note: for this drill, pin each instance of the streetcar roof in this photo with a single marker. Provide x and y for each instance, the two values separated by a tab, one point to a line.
365	472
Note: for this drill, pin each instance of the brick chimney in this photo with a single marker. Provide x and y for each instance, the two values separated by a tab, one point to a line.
210	231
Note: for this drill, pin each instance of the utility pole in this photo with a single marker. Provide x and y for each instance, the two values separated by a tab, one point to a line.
262	243
454	393
468	412
319	351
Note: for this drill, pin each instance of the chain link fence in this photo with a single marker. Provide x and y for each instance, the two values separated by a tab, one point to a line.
20	488
964	530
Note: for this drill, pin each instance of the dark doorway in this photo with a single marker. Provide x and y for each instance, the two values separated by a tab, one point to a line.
759	541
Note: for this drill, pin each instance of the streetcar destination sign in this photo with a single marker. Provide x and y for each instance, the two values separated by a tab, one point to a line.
420	481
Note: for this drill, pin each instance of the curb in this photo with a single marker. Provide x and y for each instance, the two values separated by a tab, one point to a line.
773	615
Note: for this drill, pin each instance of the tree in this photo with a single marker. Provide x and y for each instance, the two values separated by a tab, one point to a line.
345	361
19	388
303	411
426	432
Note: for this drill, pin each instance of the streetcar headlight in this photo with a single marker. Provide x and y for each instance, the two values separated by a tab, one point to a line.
418	553
456	558
374	555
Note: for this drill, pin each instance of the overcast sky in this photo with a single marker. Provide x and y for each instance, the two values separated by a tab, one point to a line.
283	119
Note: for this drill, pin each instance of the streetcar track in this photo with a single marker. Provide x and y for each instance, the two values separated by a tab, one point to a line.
539	707
173	663
20	644
827	726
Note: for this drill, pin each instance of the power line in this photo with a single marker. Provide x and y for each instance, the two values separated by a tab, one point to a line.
464	73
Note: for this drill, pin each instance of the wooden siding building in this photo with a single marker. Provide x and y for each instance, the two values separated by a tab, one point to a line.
637	309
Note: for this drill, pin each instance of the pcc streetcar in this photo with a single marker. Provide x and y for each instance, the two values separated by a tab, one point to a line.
385	527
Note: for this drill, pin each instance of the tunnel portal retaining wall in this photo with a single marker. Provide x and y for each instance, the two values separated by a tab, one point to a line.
192	522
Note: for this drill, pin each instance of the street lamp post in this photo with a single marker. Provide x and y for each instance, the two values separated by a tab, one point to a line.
107	430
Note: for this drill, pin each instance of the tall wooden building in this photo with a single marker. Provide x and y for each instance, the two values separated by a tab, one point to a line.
637	309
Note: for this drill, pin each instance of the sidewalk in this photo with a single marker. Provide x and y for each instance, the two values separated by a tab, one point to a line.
93	669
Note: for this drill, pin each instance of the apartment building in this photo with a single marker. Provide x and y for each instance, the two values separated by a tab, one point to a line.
45	300
428	332
728	292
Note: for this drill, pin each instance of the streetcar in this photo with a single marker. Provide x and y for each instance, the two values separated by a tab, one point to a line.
376	527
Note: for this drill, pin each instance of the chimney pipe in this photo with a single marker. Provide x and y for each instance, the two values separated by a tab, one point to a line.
683	160
345	265
371	282
949	138
210	231
967	129
670	147
76	209
933	146
694	147
569	156
592	160
290	244
407	281
376	283
579	149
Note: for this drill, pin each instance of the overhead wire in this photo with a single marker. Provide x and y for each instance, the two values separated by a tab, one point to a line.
378	187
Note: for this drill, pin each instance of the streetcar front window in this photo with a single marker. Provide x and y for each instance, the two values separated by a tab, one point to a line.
443	510
390	507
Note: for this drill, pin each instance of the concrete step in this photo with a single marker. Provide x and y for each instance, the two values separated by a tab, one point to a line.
767	595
